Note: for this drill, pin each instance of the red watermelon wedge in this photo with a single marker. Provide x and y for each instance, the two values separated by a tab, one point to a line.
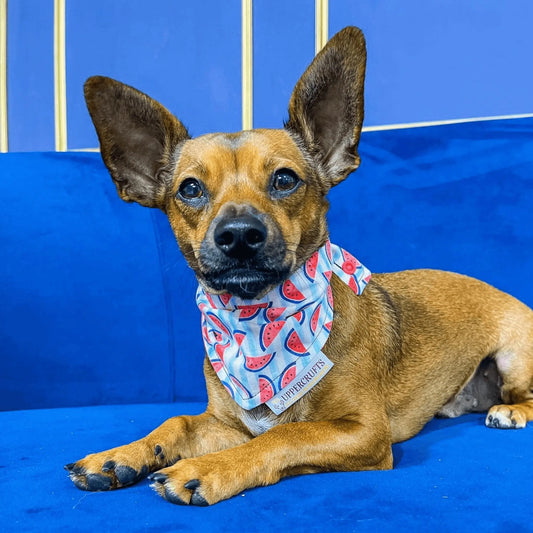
225	298
254	364
273	313
291	293
294	344
314	318
239	337
269	332
310	266
217	364
247	312
266	389
241	387
287	375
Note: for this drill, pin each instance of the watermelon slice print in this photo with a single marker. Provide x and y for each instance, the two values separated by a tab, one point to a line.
314	318
218	323
224	298
353	285
217	364
266	388
310	267
327	274
330	296
239	337
209	297
241	387
289	292
254	364
294	344
249	312
269	332
220	349
328	325
287	375
299	316
273	313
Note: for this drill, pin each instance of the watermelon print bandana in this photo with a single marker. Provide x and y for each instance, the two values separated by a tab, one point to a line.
268	350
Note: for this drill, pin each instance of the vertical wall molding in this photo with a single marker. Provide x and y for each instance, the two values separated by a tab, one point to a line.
60	85
4	145
321	24
247	64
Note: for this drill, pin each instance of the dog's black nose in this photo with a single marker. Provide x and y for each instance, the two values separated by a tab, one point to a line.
240	237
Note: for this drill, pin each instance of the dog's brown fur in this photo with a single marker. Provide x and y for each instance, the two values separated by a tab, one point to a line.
401	351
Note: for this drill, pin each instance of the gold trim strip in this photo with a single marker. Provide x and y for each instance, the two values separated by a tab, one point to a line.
247	65
4	146
321	24
60	84
387	127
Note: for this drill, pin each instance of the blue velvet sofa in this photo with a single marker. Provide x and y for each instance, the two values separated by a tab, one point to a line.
99	338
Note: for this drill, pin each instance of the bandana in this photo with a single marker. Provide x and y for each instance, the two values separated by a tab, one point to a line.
269	350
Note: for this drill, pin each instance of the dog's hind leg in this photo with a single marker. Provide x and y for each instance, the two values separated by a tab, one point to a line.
515	365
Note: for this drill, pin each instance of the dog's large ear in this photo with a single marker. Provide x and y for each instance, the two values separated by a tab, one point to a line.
327	105
137	137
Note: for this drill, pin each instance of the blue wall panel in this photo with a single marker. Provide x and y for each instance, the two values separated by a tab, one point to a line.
443	59
30	75
184	54
284	43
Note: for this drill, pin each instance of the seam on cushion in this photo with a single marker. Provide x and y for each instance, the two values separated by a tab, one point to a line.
168	308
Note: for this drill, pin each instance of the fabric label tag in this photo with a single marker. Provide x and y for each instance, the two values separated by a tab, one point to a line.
317	368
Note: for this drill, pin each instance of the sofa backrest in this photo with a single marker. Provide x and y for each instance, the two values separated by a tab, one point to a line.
97	304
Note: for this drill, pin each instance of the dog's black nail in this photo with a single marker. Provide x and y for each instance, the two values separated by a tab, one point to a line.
158	450
158	477
192	484
144	471
73	468
197	499
98	482
125	474
108	466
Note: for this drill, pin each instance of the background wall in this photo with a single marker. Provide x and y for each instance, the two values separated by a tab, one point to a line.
427	60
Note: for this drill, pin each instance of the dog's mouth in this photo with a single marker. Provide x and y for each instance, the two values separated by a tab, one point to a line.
244	282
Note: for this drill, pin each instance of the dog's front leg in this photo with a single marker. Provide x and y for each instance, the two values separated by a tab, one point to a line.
177	438
299	447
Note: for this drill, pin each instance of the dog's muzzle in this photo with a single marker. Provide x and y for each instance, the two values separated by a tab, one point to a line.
243	253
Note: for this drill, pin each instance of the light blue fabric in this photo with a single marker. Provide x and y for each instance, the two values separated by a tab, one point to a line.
258	347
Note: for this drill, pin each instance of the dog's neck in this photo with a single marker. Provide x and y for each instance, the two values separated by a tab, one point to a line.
268	350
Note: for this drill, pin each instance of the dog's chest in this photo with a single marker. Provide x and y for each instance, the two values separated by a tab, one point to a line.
259	420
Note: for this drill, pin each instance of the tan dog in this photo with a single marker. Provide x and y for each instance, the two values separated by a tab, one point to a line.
410	345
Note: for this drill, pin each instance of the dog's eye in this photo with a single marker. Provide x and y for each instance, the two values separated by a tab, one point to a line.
190	189
284	181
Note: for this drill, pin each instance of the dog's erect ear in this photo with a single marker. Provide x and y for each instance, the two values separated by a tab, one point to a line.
137	139
327	105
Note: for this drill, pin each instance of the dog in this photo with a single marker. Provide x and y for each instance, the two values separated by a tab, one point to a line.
248	212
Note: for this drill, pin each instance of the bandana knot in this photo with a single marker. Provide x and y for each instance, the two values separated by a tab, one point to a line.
268	350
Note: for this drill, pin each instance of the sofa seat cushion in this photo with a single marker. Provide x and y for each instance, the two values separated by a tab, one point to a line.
455	475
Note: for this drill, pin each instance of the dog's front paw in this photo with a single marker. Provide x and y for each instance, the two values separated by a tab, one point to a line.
505	417
200	481
115	468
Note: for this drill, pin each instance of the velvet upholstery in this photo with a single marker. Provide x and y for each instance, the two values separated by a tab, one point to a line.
97	310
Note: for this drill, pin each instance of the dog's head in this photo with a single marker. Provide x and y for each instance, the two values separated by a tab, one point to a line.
247	208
